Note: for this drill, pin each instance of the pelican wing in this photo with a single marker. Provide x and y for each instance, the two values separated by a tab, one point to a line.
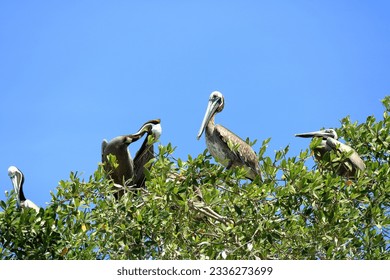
142	157
243	154
354	157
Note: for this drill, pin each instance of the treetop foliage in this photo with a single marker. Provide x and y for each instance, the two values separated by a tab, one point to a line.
195	209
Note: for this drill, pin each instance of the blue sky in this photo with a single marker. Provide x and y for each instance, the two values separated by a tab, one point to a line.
75	72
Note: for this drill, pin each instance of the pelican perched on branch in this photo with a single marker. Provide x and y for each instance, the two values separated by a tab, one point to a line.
146	152
124	174
225	146
17	179
329	142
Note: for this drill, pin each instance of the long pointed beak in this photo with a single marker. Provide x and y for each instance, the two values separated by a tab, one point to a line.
131	138
211	108
16	185
152	125
148	126
145	128
319	133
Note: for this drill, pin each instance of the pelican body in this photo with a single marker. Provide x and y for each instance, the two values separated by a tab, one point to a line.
225	146
17	179
118	146
124	174
329	142
146	152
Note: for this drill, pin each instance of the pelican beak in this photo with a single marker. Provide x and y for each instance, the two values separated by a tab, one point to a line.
153	126
16	185
319	133
210	111
133	137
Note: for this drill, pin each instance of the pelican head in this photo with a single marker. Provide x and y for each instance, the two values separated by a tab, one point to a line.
324	134
215	105
118	146
329	142
151	127
122	142
17	179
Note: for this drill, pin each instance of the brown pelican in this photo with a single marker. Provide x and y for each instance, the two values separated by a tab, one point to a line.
17	179
329	142
146	152
123	174
225	146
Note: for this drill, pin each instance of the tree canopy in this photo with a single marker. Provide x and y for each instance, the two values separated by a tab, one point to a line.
196	209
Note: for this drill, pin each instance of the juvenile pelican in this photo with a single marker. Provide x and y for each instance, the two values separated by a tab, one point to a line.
146	152
225	146
122	174
329	142
17	179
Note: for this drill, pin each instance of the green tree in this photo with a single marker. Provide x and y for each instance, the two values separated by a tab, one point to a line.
196	209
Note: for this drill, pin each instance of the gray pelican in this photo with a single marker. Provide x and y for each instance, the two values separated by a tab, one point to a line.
17	179
329	142
225	146
122	175
146	152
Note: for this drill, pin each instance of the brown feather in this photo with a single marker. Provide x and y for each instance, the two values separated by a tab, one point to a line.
142	157
221	137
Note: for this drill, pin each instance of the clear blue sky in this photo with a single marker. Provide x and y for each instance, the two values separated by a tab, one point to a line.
75	72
